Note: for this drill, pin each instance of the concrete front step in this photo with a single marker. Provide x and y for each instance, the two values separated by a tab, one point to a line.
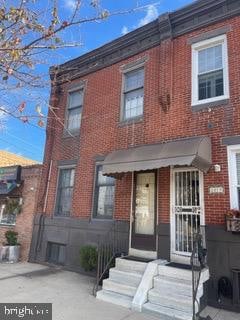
129	278
182	274
113	286
115	298
170	286
165	313
130	265
173	272
172	301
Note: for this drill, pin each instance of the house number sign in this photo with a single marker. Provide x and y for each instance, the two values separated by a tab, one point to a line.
216	189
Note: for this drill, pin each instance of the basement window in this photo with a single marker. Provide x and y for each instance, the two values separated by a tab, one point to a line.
56	253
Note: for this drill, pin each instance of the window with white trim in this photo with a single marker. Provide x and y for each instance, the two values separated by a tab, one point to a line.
133	94
210	70
234	175
74	112
8	214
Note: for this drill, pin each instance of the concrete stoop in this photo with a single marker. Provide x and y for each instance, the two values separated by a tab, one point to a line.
152	287
122	284
171	295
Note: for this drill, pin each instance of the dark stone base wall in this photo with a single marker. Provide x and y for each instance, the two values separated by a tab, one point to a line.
73	233
223	256
223	248
163	231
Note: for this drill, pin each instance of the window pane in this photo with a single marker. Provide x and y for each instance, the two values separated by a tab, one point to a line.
211	85
238	167
74	118
65	191
134	79
75	99
7	217
67	177
210	59
104	195
103	180
134	104
105	201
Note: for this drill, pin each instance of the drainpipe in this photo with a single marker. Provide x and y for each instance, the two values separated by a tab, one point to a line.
131	212
43	216
47	190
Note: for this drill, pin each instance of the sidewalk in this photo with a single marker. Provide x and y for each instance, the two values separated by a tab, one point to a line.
70	293
218	314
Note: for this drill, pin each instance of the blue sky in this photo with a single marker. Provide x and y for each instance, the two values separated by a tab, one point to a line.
28	139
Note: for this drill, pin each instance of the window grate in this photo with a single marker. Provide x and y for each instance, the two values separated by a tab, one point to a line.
56	253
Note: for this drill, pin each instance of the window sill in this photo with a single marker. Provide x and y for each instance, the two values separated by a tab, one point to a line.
210	104
61	216
7	224
104	218
126	122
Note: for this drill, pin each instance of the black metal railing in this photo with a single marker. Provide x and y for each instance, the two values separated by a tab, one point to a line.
110	247
198	262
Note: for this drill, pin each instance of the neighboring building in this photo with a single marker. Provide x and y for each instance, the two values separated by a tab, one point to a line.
19	183
151	141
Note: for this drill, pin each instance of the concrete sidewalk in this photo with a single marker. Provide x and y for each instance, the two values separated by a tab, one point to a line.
70	293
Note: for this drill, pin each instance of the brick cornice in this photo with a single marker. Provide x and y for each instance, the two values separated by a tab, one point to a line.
169	25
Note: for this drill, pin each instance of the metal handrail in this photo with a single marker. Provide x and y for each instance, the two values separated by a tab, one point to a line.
110	247
198	262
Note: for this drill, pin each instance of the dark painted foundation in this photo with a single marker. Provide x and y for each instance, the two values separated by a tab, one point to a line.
223	249
72	233
223	257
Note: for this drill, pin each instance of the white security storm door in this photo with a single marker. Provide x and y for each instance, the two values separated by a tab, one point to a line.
187	212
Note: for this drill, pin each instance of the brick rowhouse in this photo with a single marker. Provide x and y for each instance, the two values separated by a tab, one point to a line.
168	116
28	191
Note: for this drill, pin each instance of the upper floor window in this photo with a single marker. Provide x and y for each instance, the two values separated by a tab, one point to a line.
103	195
65	191
210	70
133	91
234	175
74	114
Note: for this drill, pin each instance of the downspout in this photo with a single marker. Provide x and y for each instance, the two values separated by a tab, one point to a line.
47	189
131	213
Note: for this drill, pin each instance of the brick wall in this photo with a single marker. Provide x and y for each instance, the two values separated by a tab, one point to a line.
167	71
24	222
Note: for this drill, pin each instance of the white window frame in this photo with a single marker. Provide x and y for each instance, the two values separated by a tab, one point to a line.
196	47
2	208
136	67
232	175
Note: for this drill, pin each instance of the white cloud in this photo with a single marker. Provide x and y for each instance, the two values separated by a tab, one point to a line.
151	14
70	4
124	30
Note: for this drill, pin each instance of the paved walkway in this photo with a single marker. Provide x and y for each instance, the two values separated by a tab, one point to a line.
69	292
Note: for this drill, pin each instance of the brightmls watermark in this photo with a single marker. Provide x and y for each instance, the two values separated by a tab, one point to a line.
26	311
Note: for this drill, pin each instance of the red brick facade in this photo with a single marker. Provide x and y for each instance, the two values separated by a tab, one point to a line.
167	72
28	191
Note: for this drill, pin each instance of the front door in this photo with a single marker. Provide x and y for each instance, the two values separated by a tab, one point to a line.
144	209
187	212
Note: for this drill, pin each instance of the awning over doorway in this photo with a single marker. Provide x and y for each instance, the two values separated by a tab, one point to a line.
195	151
